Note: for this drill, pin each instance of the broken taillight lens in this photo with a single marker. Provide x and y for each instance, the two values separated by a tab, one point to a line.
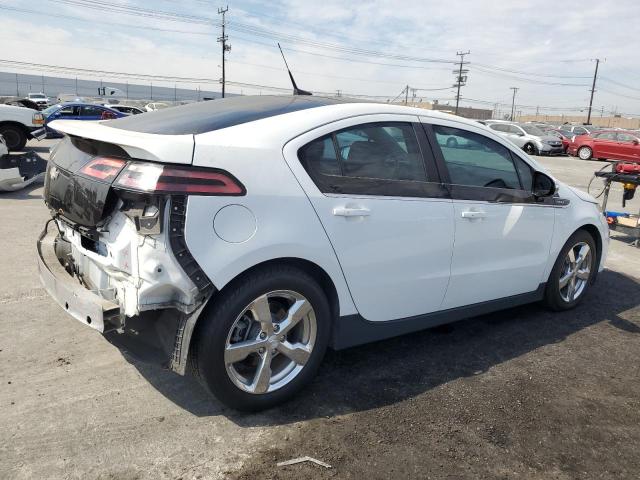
156	178
103	168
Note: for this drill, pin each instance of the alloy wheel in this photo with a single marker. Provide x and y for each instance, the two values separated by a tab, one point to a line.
576	272
584	153
529	149
270	342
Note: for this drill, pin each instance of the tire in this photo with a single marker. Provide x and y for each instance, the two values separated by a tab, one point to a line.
230	322
14	136
530	149
585	153
558	298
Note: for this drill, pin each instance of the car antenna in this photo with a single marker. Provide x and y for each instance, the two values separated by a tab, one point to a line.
296	90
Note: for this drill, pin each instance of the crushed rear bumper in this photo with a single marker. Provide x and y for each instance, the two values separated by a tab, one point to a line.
86	306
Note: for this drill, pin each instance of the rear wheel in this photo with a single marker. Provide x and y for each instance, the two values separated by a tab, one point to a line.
264	338
585	153
14	136
571	276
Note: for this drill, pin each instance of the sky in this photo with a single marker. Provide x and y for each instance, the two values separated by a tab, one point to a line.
547	49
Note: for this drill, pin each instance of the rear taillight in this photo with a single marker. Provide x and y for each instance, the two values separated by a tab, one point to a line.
103	168
155	178
38	119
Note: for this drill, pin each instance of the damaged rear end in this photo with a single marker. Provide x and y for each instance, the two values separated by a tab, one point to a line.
113	254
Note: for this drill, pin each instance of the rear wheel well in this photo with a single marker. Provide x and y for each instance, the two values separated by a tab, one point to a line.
19	125
310	268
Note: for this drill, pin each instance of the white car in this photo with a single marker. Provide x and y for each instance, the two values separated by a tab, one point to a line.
40	99
528	137
251	233
128	109
151	107
17	124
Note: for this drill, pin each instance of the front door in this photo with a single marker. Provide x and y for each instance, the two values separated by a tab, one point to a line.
502	236
628	147
387	217
605	145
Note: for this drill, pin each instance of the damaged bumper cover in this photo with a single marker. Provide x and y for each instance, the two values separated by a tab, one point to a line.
148	311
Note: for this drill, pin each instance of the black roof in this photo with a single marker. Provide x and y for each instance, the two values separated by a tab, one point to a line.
212	115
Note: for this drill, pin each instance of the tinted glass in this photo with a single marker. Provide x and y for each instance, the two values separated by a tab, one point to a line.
382	151
625	137
515	130
605	136
68	111
525	172
499	127
532	130
580	130
476	160
320	157
91	111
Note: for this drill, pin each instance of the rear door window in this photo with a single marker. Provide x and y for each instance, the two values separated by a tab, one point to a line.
382	158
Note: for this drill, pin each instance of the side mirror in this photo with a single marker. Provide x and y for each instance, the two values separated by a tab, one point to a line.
543	185
635	141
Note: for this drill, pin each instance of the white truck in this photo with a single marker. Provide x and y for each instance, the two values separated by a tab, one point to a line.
16	125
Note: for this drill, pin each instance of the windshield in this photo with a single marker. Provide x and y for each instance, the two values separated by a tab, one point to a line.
48	111
36	95
532	130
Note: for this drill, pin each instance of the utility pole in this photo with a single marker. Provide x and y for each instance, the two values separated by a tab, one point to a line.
460	79
513	101
593	89
406	94
225	47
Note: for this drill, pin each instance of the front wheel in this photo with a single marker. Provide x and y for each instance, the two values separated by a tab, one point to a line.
572	273
14	136
529	149
585	153
264	339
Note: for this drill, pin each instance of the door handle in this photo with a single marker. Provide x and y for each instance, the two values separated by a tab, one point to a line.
351	212
474	214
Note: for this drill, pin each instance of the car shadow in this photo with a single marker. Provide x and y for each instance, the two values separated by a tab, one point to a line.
391	371
29	192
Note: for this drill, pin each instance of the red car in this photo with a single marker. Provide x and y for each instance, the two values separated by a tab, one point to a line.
607	144
564	136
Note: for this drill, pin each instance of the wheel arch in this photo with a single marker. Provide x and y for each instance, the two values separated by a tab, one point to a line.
592	230
13	123
313	269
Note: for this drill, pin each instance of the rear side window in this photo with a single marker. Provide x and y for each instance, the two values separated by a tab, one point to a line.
382	158
475	160
500	128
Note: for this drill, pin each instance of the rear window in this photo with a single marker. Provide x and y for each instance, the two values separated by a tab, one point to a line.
213	115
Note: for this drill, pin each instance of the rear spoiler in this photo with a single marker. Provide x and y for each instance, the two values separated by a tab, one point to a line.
145	146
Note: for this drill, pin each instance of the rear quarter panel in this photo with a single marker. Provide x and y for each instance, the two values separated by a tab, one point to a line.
286	225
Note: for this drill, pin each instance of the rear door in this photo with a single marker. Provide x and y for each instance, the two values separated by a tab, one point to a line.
386	214
502	235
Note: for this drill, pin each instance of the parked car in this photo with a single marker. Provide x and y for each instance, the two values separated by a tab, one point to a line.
17	125
71	111
607	144
127	109
39	99
580	129
249	234
150	107
564	136
528	137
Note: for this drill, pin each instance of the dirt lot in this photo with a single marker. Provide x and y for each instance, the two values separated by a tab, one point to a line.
519	394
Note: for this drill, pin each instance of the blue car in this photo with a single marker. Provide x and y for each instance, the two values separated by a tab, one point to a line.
71	111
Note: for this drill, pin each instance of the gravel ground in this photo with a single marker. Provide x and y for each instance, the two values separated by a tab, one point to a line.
518	394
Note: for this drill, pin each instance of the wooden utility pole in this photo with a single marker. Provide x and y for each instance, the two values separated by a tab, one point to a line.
225	46
460	80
